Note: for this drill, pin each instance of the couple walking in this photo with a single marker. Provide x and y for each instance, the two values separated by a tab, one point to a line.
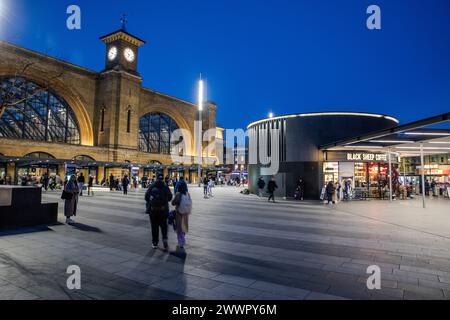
158	197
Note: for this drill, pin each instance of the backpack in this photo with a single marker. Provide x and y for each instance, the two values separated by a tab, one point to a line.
185	206
158	201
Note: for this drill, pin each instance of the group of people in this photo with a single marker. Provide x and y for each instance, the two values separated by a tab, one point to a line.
5	180
271	188
158	197
208	185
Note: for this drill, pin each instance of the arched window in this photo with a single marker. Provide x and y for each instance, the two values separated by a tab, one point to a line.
39	155
129	121
102	120
83	158
155	130
37	114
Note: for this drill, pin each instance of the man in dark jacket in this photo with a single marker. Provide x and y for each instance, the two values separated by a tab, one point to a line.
261	185
271	187
125	183
111	182
330	192
157	198
300	189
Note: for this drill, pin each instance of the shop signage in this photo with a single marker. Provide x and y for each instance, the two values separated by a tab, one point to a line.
367	157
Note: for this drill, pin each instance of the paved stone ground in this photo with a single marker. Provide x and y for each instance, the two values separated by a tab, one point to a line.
239	247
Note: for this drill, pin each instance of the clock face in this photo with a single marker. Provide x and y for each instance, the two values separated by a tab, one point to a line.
129	55
112	53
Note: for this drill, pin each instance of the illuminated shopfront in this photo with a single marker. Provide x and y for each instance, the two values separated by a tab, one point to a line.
367	173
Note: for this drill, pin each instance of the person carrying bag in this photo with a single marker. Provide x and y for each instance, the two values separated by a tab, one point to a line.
183	208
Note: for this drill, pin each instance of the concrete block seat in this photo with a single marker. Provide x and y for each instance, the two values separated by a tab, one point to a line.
22	207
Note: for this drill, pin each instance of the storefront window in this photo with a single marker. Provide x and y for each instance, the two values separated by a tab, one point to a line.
360	175
331	171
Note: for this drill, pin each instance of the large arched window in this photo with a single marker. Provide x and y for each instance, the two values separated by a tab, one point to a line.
83	158
155	130
37	114
39	155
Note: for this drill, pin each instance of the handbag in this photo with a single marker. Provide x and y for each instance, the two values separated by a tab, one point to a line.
66	195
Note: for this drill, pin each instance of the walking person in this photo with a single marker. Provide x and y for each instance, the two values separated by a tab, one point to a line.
330	190
271	187
157	198
111	182
70	196
45	181
183	208
205	187
210	187
300	189
90	185
125	184
81	181
179	184
261	184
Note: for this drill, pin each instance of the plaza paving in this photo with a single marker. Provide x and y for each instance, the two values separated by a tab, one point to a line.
239	247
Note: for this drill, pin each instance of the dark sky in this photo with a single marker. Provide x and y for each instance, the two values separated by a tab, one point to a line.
262	55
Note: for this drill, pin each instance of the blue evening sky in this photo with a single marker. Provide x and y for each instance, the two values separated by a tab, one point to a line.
262	55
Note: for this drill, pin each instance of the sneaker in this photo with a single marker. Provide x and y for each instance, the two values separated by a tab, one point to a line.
155	246
166	246
70	221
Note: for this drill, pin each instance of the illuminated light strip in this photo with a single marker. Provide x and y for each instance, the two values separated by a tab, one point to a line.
201	89
364	147
427	134
318	114
391	141
439	142
425	148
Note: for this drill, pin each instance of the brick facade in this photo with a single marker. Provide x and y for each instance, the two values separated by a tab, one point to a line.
115	91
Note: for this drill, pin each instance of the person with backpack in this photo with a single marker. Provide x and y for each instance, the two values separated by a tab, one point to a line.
271	187
330	190
157	198
183	208
261	185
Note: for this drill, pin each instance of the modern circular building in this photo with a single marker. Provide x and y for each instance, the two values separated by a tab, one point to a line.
290	145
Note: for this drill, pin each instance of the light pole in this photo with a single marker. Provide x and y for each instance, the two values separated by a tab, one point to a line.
201	90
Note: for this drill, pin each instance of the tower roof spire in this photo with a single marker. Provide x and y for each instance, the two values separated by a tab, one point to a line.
124	21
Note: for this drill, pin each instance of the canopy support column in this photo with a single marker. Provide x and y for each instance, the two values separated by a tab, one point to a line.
390	175
422	165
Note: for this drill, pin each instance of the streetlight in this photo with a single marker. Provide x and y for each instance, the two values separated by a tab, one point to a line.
201	92
271	115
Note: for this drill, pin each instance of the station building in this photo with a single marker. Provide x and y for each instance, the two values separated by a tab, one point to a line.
61	115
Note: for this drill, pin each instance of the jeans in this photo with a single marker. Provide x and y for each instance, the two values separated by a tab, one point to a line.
81	186
125	189
158	220
272	196
181	239
90	191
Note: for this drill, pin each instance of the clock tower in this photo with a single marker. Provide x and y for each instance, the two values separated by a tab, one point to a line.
118	95
122	51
